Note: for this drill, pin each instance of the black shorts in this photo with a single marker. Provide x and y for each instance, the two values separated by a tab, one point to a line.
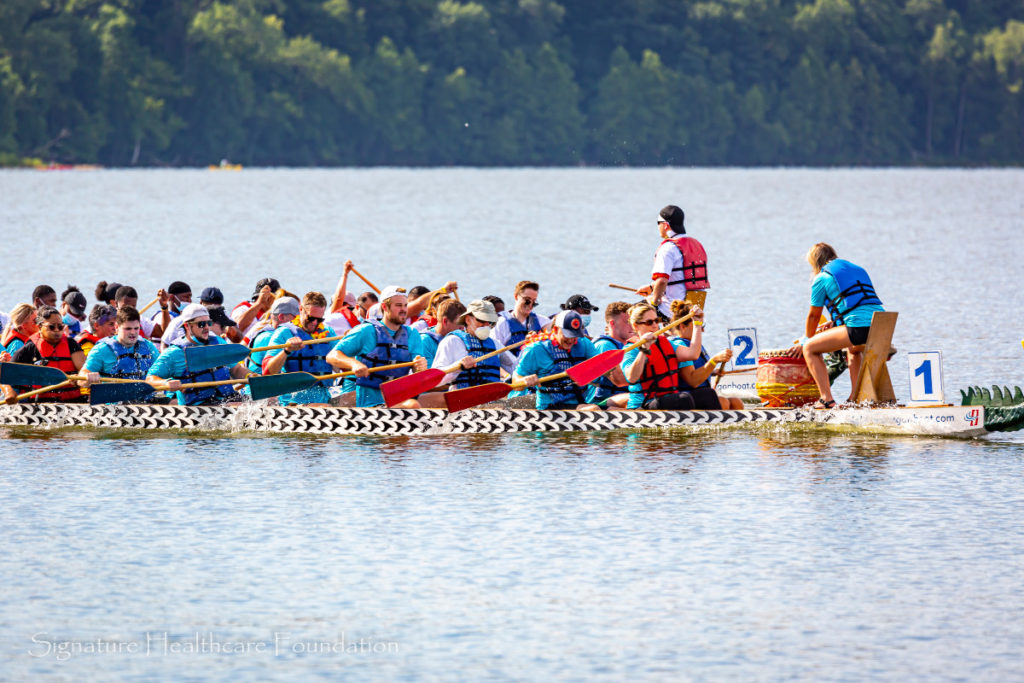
680	401
705	398
858	335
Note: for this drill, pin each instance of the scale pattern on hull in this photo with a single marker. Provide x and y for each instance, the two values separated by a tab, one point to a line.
326	420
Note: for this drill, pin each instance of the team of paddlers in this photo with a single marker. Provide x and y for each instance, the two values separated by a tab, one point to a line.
410	348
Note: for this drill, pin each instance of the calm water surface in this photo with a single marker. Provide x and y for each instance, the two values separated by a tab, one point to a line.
726	554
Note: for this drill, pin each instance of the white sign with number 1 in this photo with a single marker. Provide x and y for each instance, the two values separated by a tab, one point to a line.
744	348
926	377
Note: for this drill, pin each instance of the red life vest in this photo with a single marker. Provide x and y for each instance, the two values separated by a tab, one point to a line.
350	317
87	340
17	334
661	372
59	357
694	271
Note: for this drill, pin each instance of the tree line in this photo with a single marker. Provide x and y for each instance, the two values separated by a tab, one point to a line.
512	82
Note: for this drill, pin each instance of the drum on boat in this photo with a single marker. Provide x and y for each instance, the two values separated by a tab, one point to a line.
784	381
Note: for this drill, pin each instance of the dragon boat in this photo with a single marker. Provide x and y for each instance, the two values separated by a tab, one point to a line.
983	411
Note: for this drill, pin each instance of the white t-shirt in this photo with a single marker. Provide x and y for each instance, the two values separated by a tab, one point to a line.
236	314
338	323
452	349
666	259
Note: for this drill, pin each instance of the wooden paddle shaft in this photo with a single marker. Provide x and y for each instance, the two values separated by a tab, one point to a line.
458	366
54	387
674	323
349	373
363	278
148	306
540	380
305	343
628	289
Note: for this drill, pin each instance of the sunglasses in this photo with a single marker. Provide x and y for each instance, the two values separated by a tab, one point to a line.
55	326
652	321
485	323
313	318
529	302
202	324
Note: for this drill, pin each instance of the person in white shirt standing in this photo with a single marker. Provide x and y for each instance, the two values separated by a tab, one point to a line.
680	264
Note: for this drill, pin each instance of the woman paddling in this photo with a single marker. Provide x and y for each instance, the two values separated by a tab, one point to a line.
846	291
653	369
696	376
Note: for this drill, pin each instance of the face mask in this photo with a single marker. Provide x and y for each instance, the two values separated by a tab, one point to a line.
586	320
482	332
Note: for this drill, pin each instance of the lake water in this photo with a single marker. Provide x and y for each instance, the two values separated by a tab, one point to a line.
744	554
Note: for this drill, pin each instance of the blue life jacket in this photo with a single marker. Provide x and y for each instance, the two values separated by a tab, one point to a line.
518	331
389	350
562	390
604	386
482	373
855	289
430	332
262	338
311	358
132	362
193	397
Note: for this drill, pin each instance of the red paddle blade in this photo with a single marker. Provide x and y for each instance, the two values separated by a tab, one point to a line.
460	399
592	368
410	386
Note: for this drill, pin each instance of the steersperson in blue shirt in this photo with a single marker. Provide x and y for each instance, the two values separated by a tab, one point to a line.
380	343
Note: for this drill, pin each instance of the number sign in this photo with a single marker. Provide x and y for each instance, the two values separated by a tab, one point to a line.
744	348
925	377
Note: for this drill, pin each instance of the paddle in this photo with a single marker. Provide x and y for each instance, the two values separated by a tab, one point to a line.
149	305
363	278
592	368
43	390
460	399
23	375
403	388
134	392
218	355
628	289
268	386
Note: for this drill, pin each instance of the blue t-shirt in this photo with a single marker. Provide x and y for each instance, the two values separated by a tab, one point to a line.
103	359
255	362
537	360
428	347
636	392
363	340
171	364
314	394
824	286
13	345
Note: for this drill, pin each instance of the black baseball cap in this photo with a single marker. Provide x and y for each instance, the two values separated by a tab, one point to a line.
218	316
674	216
212	295
76	304
265	282
578	302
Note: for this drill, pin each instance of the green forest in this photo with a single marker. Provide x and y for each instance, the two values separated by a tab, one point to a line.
512	82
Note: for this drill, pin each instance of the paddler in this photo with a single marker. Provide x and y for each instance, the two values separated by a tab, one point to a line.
653	368
72	309
380	342
565	347
582	305
617	334
514	325
295	357
50	347
44	295
126	295
283	310
342	316
247	313
125	354
464	346
449	315
845	289
170	371
696	376
680	264
19	329
102	324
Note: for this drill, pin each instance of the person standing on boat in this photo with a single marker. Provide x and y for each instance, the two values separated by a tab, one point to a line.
846	291
680	264
617	333
170	370
565	347
653	369
50	347
513	326
380	342
296	357
125	354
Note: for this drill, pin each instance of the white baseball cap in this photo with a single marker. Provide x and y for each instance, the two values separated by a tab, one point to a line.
193	312
390	291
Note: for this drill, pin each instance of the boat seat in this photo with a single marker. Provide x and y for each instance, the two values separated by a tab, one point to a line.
873	384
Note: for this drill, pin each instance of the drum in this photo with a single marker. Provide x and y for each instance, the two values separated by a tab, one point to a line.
784	381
